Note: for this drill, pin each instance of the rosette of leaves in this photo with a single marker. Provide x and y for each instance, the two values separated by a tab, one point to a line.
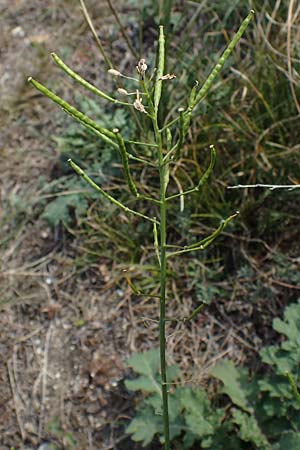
193	418
267	408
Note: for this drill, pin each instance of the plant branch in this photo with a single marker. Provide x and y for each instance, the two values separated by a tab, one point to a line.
125	163
272	187
94	33
204	177
204	243
122	29
80	172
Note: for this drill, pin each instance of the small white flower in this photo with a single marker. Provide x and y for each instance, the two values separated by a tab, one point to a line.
138	103
142	67
122	91
114	72
168	76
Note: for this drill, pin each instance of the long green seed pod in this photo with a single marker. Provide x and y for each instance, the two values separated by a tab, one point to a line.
194	313
81	172
204	243
196	98
218	67
83	82
160	69
96	132
204	177
77	115
124	156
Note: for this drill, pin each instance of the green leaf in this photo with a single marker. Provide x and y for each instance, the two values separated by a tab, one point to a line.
147	364
224	433
277	387
288	441
290	327
143	383
236	384
200	418
249	430
145	426
59	210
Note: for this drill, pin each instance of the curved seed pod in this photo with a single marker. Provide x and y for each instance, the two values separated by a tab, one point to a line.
195	97
79	79
193	94
205	242
194	313
206	175
94	130
218	67
125	162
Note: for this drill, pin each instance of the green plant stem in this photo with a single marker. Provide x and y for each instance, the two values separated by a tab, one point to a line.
120	205
94	33
162	323
163	179
122	29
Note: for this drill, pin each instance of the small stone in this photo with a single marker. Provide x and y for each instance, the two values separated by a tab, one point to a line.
18	32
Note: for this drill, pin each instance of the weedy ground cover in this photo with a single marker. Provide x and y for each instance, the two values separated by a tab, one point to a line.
263	412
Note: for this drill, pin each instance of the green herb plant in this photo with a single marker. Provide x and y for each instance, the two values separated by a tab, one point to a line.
248	412
166	141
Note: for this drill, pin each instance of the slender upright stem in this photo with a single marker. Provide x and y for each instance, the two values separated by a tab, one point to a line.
94	33
163	178
162	317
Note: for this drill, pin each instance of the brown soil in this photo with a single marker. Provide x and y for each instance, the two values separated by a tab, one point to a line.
61	355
